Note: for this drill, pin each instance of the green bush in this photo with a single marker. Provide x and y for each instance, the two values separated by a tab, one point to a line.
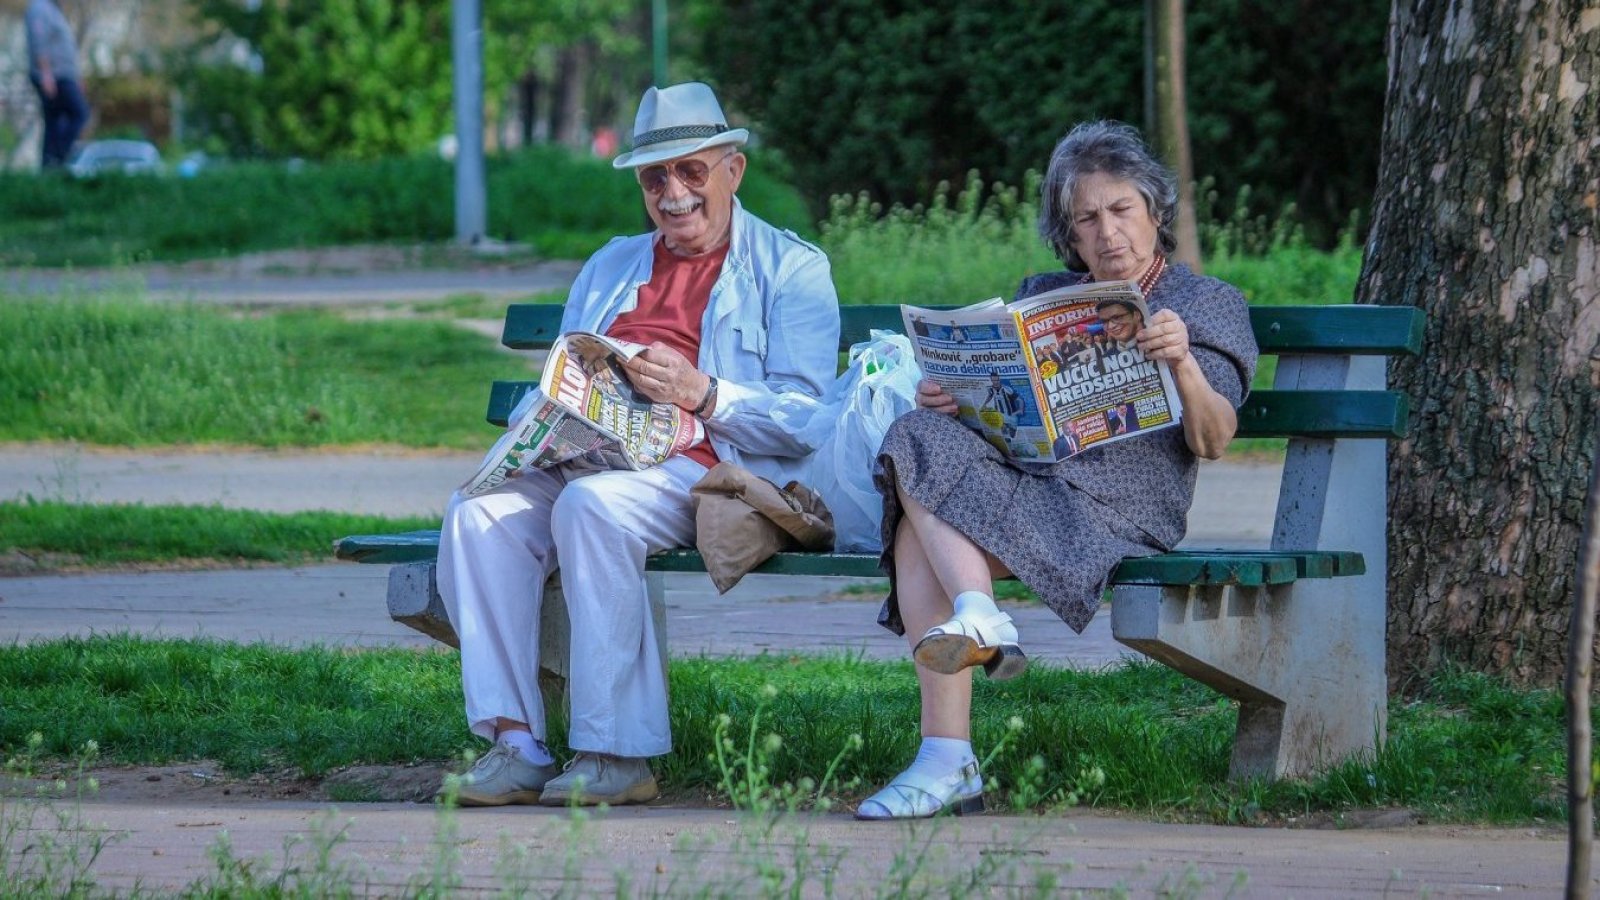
337	78
892	98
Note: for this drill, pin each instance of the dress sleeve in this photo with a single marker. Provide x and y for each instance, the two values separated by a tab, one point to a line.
1221	339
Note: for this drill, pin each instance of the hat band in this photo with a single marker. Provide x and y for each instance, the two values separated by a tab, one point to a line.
677	133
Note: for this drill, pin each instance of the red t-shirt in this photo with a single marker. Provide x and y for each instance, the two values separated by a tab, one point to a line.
670	310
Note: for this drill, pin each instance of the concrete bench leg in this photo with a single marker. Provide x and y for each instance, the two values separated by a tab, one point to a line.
1306	698
414	601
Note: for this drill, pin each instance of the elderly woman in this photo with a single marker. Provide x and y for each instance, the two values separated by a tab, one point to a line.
957	514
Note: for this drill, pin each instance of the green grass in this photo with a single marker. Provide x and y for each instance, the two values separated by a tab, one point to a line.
118	370
1470	749
65	534
561	204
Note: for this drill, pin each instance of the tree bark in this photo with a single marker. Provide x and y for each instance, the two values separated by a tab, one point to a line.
1485	217
1172	120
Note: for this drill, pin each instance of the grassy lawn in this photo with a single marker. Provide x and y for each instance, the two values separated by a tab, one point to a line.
118	370
562	205
1138	738
58	535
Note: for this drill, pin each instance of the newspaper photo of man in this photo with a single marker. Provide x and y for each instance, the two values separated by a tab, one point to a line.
1121	320
1007	401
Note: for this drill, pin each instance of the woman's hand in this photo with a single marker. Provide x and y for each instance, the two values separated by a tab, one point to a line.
931	396
666	376
1165	337
1209	421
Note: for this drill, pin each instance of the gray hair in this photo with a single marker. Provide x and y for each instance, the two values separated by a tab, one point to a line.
1115	149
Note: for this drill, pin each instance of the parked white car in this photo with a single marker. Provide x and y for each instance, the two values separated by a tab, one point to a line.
127	157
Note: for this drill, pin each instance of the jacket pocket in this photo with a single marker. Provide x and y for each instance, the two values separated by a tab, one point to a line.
752	339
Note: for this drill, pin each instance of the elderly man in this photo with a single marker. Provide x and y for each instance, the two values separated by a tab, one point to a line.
736	314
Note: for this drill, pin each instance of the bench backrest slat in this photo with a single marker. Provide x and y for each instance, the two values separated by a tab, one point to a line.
1334	330
1344	330
1321	414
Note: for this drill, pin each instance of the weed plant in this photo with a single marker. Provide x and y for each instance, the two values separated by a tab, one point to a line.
46	847
563	205
1138	737
59	535
117	369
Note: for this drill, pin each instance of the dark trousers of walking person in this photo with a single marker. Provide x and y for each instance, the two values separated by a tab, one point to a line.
64	117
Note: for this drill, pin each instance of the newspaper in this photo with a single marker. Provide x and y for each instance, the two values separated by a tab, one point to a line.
586	406
1049	376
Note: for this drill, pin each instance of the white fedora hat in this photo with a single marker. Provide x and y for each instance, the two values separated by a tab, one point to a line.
677	121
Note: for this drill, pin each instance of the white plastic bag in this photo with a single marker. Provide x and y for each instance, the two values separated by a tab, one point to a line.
878	387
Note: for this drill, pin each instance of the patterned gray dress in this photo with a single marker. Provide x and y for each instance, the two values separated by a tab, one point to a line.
1062	527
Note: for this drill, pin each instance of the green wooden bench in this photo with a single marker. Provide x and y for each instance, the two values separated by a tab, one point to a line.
1294	632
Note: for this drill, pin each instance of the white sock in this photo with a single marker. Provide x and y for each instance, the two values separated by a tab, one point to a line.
975	605
532	749
941	756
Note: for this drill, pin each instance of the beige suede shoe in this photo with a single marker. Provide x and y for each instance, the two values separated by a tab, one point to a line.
594	778
502	777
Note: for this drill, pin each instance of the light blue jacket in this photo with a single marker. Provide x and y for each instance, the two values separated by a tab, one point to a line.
770	332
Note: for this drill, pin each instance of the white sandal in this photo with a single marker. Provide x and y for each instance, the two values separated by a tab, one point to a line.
990	642
913	795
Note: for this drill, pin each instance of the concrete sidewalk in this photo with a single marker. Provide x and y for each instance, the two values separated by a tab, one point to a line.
395	849
1234	500
333	276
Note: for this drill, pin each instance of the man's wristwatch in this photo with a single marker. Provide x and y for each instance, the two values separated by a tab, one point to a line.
709	399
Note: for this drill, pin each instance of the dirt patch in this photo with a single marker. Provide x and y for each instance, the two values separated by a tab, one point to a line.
206	782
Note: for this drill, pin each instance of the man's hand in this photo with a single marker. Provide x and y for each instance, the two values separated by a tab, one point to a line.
931	396
47	83
666	376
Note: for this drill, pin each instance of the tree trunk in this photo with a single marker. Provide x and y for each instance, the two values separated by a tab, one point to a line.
1580	681
1485	217
569	121
1172	120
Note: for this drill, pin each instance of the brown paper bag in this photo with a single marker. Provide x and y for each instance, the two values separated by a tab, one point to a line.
741	519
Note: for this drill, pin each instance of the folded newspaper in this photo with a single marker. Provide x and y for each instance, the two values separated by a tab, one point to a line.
586	406
1048	376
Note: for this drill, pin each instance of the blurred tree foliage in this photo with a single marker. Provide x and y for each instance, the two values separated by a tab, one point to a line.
891	97
357	79
363	79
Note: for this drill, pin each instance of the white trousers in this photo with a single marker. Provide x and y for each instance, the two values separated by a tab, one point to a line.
595	527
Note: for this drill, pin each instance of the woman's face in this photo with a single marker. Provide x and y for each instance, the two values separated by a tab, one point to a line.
1112	228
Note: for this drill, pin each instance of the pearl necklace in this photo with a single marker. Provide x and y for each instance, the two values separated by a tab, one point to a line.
1152	274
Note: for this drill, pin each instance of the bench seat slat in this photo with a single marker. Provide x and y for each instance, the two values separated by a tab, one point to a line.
1197	567
1339	329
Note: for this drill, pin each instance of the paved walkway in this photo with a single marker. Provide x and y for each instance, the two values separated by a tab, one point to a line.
391	849
341	276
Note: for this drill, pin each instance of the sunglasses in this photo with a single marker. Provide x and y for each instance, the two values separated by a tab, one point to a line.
693	173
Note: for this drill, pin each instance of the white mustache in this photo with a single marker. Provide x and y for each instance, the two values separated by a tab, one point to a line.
679	207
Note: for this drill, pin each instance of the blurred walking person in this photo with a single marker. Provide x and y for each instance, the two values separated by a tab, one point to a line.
53	69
